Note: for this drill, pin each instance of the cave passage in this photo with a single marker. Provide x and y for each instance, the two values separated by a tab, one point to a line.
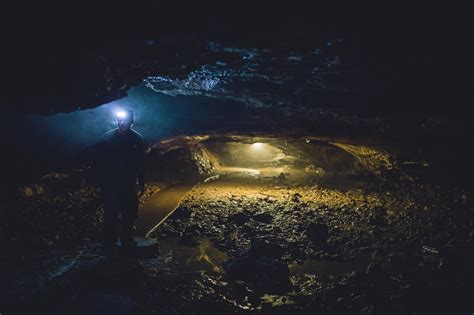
267	215
298	159
262	220
286	211
250	158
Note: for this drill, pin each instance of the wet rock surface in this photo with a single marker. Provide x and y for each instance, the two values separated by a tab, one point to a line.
345	241
174	161
44	235
247	243
400	245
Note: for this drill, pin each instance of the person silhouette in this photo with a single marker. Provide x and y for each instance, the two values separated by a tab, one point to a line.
121	177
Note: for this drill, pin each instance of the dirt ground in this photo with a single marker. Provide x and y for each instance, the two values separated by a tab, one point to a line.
245	241
370	246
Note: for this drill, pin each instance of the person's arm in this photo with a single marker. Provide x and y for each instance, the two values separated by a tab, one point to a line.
141	166
99	153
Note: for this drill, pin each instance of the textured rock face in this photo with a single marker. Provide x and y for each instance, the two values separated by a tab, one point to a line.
373	234
85	74
386	79
184	163
369	77
203	45
261	77
270	242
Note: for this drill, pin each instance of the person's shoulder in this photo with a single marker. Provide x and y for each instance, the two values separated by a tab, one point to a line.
137	135
110	134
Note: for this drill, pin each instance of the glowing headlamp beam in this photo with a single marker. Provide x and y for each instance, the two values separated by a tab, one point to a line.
121	114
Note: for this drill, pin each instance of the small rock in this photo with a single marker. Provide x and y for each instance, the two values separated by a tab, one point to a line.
296	197
38	189
431	250
368	310
266	274
55	176
267	249
182	213
147	247
317	231
379	216
281	177
25	191
263	217
238	218
190	239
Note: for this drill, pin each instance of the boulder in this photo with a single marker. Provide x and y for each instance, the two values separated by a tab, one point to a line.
264	274
263	217
238	218
190	236
378	216
265	248
317	231
182	213
189	239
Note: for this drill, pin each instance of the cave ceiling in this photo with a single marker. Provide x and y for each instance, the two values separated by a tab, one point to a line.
303	59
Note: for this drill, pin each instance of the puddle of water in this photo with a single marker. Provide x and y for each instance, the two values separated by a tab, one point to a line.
158	207
242	171
205	256
324	268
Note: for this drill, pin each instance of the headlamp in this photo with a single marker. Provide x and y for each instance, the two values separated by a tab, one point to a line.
121	114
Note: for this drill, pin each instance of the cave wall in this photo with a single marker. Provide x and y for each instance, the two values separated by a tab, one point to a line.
186	163
54	63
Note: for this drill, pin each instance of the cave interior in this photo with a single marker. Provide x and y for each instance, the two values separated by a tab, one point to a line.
298	158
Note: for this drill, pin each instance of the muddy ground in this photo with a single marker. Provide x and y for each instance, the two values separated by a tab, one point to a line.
244	242
371	246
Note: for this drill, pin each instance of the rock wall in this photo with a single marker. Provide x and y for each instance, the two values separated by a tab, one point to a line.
180	164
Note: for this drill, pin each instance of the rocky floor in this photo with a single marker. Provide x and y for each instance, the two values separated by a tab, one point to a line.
383	246
251	244
45	232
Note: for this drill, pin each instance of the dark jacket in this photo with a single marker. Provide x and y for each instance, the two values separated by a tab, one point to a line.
120	162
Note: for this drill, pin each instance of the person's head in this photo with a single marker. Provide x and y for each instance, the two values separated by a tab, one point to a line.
125	119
